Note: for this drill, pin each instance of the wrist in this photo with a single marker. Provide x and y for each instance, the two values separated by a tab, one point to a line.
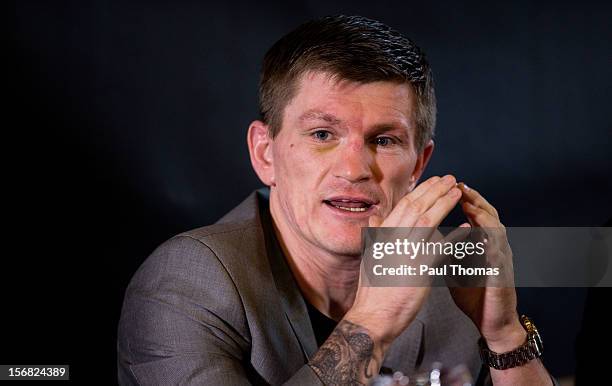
502	355
506	339
376	329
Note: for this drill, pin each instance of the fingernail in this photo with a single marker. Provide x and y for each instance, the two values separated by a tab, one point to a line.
467	188
448	179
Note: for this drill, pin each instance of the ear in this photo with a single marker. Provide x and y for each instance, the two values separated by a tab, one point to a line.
422	160
260	151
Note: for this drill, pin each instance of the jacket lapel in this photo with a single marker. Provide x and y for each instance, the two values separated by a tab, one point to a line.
291	297
294	306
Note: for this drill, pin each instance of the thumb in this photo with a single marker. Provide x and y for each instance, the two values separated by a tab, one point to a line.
375	221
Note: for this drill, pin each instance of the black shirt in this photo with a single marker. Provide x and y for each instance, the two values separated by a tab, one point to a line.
321	324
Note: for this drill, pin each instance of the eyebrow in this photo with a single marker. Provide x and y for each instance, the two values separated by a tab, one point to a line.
385	127
318	115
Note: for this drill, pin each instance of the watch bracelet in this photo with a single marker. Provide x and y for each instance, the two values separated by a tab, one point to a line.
517	357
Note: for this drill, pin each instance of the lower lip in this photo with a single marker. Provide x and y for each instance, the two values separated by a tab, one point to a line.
349	214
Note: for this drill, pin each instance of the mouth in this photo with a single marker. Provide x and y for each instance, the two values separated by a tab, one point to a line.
350	204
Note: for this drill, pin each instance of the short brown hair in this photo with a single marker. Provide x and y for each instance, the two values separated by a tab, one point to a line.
353	48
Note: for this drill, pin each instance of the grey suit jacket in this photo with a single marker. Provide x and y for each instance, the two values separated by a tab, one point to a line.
219	305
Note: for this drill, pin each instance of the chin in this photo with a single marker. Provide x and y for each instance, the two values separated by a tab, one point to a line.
344	244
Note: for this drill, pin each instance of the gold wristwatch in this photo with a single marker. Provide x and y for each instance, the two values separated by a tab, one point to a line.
531	349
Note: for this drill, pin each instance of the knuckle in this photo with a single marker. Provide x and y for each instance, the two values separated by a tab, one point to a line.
480	215
415	206
424	221
433	179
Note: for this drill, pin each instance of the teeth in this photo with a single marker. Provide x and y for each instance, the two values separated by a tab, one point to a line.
351	209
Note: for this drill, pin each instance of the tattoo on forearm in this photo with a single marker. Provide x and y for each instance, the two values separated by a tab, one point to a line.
345	356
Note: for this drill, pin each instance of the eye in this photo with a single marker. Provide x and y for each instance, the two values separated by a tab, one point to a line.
384	141
322	135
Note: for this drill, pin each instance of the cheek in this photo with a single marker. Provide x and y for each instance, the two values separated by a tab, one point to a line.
296	177
301	164
398	178
293	168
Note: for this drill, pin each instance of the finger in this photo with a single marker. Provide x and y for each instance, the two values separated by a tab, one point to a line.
458	234
490	229
374	221
498	252
408	210
396	213
479	216
439	210
475	198
422	188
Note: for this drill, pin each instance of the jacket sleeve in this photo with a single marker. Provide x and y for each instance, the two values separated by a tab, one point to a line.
183	322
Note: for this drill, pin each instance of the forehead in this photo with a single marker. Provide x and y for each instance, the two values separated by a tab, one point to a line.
325	97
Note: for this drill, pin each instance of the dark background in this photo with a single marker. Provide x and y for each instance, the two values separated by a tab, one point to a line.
127	123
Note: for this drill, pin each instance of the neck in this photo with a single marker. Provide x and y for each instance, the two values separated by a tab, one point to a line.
328	281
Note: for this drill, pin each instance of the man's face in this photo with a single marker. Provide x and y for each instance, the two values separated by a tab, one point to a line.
345	152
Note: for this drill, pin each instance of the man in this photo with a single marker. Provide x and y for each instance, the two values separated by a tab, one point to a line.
271	293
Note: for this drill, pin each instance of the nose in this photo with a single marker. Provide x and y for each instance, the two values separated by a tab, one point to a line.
353	162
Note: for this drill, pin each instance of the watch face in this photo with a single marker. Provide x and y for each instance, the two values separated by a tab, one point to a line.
528	324
532	333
